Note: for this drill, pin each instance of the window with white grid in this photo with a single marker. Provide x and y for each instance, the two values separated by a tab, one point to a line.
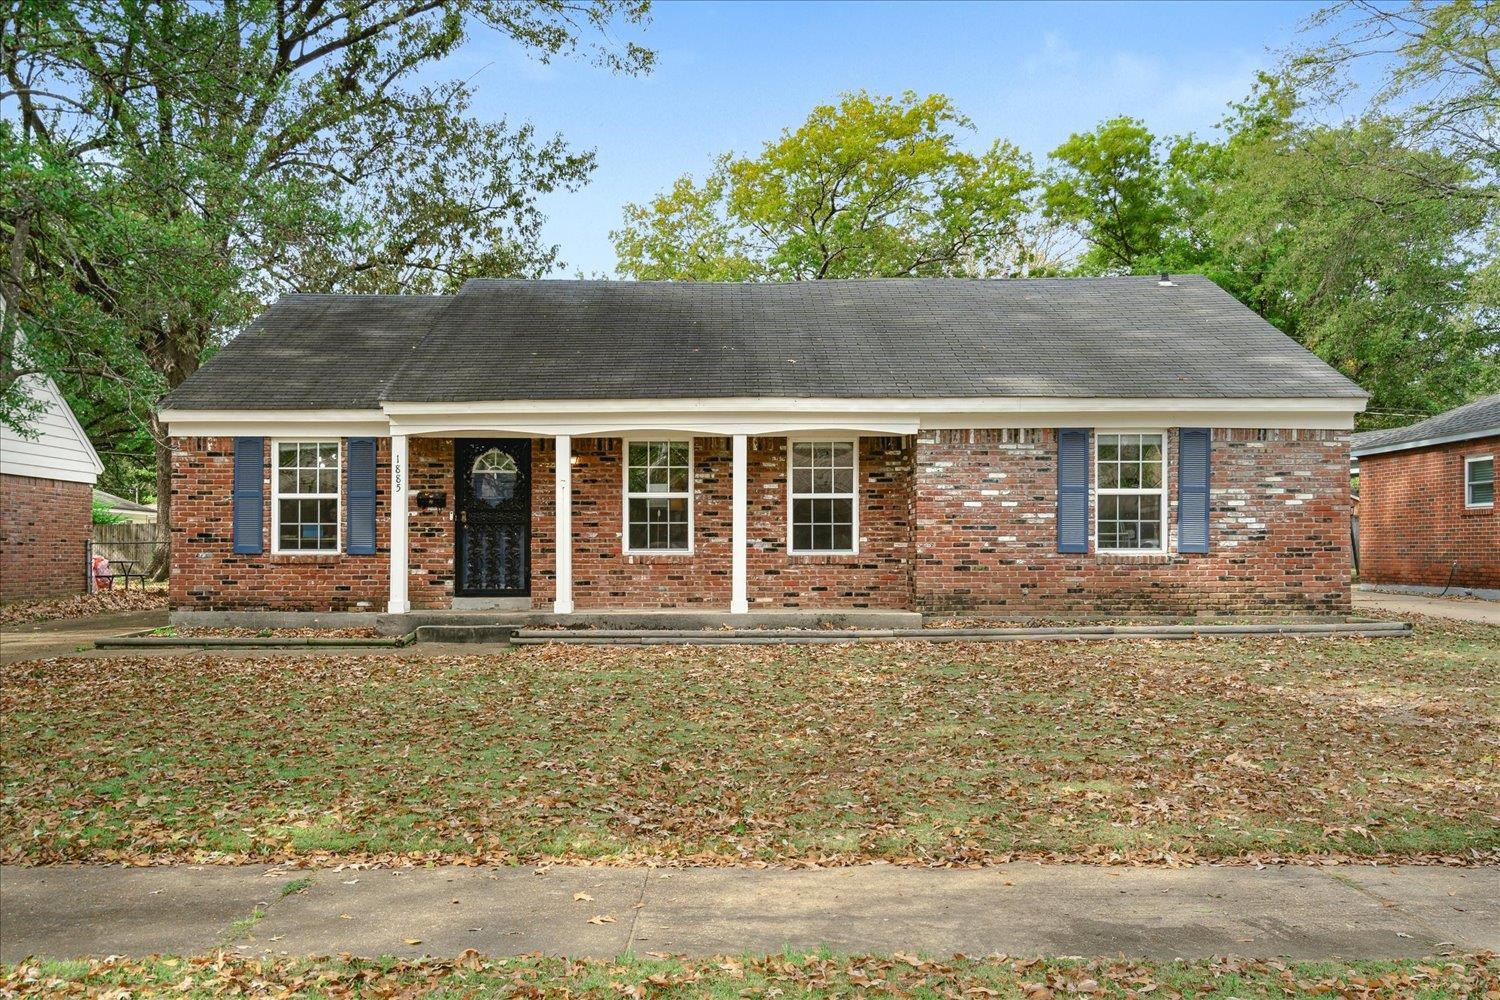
306	487
658	496
823	515
1131	496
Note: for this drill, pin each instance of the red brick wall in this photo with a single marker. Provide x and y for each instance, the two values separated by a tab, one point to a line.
207	575
986	523
951	522
878	576
1414	525
605	577
430	549
44	527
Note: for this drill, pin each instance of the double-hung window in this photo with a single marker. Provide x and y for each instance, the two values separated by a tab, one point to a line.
824	514
659	496
1132	492
1479	481
306	503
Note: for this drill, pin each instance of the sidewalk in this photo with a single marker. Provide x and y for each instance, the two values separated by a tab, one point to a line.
65	637
1345	912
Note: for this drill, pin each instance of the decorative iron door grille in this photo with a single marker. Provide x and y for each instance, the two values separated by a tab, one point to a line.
492	496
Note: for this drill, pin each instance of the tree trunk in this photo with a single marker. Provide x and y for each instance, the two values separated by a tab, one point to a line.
179	366
161	560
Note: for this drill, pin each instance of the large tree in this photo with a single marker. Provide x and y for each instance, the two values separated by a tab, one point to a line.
1369	247
868	187
1133	198
1437	91
214	155
1337	235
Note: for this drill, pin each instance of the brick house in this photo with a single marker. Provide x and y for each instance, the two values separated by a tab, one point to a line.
47	477
1427	501
1058	447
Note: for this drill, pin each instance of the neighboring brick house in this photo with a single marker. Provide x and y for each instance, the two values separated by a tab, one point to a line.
47	477
1427	501
1068	447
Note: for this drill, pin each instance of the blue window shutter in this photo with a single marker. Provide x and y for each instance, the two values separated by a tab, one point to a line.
1193	447
249	531
1072	490
361	499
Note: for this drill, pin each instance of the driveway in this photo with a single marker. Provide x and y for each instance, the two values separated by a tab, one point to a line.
1453	608
41	640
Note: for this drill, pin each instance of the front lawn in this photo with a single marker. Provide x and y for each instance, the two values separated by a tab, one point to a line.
785	976
926	753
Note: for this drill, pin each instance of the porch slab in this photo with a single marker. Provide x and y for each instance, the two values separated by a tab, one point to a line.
274	619
457	622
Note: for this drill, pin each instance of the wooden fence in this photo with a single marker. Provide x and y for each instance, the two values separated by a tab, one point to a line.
130	542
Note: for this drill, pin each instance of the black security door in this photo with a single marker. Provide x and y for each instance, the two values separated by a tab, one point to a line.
493	494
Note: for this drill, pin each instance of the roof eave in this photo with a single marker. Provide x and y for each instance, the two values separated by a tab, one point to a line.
1430	442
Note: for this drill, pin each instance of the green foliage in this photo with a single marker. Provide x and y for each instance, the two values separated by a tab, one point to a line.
869	187
104	514
1334	235
1372	251
174	166
1110	184
1438	93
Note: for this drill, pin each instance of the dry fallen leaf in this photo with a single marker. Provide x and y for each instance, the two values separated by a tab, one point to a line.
1193	748
602	919
582	897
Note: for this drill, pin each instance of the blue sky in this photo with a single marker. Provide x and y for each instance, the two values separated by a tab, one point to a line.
730	76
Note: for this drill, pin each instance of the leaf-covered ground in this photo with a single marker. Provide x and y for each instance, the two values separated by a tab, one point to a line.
105	602
912	752
786	976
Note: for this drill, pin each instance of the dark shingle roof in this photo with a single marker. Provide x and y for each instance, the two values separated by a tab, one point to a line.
333	352
1480	418
502	340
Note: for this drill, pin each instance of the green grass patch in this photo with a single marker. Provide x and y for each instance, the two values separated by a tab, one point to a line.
785	975
295	886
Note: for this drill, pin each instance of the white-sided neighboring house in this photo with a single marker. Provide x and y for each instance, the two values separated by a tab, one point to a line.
46	501
126	510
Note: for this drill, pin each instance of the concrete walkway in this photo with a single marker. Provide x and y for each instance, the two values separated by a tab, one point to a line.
1344	912
70	635
1455	609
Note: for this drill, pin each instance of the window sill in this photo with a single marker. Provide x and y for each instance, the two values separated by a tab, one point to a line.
838	554
651	554
1479	511
1130	556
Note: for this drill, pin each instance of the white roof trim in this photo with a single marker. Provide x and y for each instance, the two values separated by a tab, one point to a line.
766	416
961	404
276	423
1427	442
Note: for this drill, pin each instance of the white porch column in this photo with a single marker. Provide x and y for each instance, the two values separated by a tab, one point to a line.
563	520
400	519
739	595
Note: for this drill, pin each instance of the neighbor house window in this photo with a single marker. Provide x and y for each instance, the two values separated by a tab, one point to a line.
306	507
823	513
1479	481
658	496
1132	493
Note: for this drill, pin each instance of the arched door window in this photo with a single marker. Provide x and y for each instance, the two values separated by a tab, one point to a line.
494	476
